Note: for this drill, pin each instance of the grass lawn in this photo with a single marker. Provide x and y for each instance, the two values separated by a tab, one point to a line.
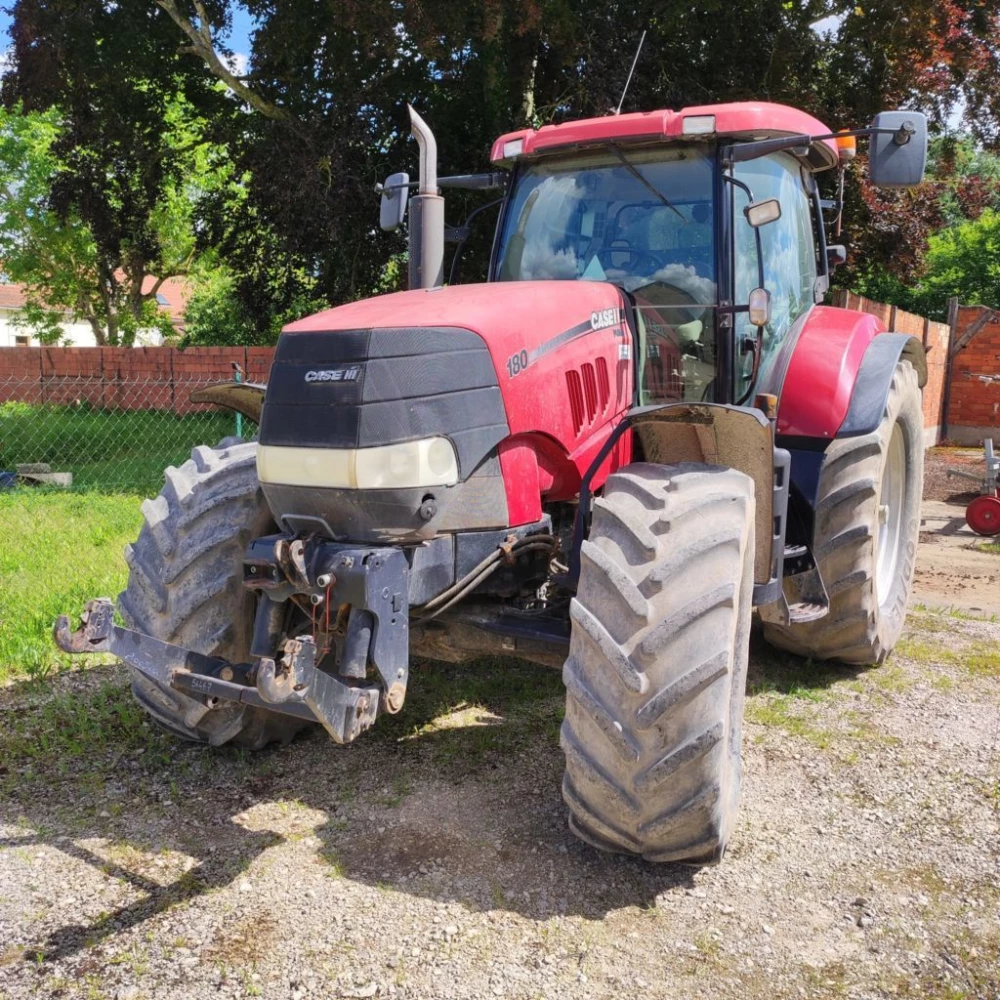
110	450
58	550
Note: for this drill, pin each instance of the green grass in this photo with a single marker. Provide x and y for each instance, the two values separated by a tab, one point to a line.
111	450
60	547
979	658
68	726
57	551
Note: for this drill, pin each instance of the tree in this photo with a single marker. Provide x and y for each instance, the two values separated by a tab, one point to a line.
319	115
117	143
964	261
906	250
54	258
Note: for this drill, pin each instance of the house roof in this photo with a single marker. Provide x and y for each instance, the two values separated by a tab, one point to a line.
12	295
172	295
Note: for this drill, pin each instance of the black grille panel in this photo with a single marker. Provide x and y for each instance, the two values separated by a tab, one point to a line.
376	387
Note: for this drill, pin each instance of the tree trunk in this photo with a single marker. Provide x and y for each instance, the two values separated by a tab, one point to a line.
528	96
113	324
100	335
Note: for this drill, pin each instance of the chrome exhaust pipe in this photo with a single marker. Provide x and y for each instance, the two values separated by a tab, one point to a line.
426	213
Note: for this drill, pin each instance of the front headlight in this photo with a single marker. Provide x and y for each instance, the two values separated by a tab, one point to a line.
409	464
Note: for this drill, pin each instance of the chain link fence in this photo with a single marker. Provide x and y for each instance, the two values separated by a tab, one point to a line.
112	437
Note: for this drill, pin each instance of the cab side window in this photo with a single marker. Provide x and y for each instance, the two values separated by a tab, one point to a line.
788	247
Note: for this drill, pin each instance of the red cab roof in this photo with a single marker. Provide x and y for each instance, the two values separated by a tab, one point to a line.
741	120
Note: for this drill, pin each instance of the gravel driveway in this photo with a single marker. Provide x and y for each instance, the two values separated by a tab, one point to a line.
432	858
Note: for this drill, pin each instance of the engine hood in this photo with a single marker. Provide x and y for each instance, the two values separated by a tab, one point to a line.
512	317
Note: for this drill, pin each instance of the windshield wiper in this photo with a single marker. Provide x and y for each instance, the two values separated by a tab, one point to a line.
634	171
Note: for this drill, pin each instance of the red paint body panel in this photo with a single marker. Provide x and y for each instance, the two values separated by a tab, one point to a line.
551	443
742	119
817	388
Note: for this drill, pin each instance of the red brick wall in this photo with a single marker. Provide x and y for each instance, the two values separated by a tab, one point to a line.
974	405
129	378
162	377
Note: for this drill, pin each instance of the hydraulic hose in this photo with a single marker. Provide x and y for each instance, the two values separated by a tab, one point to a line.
482	571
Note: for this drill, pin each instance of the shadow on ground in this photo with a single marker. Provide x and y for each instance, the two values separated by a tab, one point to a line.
457	798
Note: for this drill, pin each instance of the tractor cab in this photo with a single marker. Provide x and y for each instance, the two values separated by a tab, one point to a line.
709	219
660	205
605	216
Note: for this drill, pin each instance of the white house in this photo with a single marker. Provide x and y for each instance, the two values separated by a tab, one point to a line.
172	297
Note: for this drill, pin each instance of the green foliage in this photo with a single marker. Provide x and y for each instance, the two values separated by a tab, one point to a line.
963	260
215	316
54	257
115	141
319	117
39	322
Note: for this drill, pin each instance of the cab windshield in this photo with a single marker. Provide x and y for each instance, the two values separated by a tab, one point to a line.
641	219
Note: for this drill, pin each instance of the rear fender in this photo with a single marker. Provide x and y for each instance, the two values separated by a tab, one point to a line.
816	391
242	397
874	380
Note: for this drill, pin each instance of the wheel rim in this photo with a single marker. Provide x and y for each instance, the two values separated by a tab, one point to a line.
890	514
983	515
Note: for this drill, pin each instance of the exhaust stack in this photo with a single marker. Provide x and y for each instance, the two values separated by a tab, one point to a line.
426	213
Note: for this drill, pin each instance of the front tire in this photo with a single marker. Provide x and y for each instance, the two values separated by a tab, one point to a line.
656	672
185	586
867	524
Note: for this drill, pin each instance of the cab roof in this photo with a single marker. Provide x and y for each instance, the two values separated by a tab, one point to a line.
742	120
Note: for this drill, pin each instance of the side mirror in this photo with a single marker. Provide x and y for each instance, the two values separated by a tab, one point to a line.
760	307
836	254
395	194
760	213
897	157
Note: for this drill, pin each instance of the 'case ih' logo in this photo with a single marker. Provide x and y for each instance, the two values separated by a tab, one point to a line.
601	318
333	375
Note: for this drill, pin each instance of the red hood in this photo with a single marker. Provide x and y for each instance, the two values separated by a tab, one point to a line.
510	315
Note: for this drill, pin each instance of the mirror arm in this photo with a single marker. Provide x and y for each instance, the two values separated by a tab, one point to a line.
742	151
474	182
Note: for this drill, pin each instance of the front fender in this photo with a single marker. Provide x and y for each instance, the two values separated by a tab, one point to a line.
243	397
816	392
840	372
731	436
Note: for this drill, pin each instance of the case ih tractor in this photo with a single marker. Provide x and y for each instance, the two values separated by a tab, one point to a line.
642	427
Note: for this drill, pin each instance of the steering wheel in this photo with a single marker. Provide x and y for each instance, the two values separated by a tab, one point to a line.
637	258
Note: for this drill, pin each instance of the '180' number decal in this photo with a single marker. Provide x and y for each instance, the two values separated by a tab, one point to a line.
516	363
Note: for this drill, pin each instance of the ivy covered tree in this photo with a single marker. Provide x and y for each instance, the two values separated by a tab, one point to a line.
318	115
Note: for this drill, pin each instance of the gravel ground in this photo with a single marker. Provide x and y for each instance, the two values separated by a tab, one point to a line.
432	858
938	485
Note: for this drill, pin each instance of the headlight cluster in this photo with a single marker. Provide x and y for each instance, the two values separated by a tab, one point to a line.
427	462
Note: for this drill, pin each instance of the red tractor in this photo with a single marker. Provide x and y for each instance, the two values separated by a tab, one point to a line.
642	427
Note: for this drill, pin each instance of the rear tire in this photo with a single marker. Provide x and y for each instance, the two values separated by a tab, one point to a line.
867	524
185	587
656	671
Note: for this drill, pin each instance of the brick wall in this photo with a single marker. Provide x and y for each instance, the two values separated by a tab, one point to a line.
125	378
162	377
974	405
